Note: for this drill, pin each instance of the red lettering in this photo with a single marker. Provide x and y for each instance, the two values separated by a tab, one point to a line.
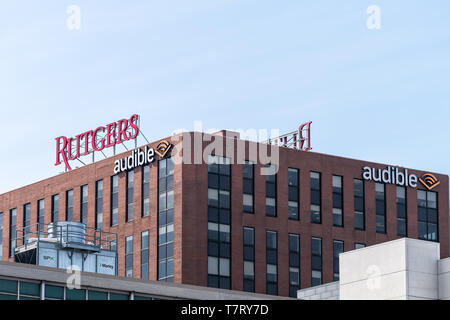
61	151
122	131
94	140
64	145
85	137
306	139
133	123
110	132
77	150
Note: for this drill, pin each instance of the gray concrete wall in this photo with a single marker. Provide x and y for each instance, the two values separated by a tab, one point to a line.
329	291
402	269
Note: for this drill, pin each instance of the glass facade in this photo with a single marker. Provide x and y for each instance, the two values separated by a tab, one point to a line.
165	219
99	204
144	254
55	207
427	215
40	216
316	261
380	198
114	200
271	263
293	193
248	186
402	229
130	196
129	256
69	205
14	289
26	221
358	195
145	191
338	248
84	204
271	193
337	201
249	259
294	264
219	219
12	231
316	197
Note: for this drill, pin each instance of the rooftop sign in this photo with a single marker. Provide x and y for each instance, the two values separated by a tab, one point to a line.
102	137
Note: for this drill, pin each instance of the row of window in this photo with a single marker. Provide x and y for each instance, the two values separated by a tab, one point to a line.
294	261
144	255
428	222
24	290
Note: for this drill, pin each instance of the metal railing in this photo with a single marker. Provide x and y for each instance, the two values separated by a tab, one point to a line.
64	233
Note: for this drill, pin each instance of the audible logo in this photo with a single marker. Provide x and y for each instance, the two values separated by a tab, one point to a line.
429	181
140	157
162	148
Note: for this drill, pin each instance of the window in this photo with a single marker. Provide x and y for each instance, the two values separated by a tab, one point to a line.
272	263
55	207
12	231
69	205
380	198
41	216
358	195
26	221
316	261
144	255
294	264
401	212
338	247
249	259
114	200
54	292
316	216
129	256
145	191
271	192
75	294
427	215
293	195
219	236
1	236
29	291
165	219
248	184
130	195
337	202
359	245
84	204
99	204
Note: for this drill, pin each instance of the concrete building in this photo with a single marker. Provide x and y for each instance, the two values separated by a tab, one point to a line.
222	223
404	269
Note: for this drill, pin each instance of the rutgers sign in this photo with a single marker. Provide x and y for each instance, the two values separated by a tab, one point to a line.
107	136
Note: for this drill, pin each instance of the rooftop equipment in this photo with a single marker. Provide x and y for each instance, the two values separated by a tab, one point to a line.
67	245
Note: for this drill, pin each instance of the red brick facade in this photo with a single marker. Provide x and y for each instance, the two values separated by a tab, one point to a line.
191	217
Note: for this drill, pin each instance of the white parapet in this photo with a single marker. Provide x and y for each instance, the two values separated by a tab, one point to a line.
401	269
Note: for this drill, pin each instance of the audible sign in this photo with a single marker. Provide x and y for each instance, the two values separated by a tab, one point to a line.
391	175
400	178
140	157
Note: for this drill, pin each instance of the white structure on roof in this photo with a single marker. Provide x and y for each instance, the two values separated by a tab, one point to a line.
404	269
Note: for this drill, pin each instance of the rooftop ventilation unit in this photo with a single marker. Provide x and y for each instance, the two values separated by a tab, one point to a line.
67	245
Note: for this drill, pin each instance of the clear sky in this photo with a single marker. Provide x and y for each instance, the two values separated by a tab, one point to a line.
381	95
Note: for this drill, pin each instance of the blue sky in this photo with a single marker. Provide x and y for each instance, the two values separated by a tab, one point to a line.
380	95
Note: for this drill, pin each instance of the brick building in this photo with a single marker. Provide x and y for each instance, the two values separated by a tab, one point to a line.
221	223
